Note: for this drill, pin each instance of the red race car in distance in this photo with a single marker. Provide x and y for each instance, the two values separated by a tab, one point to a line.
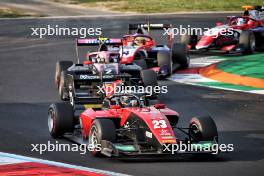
243	34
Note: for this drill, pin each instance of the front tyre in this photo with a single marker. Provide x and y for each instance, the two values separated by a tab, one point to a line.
203	129
101	129
60	119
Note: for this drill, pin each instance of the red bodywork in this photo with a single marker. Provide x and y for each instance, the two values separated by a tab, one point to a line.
154	117
130	50
124	58
227	43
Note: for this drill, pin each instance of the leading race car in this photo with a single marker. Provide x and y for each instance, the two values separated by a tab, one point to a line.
243	34
129	125
81	82
143	50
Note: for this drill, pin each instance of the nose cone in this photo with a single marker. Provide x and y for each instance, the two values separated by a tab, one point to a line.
204	42
166	136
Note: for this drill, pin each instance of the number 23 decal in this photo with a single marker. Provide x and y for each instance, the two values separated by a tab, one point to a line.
159	124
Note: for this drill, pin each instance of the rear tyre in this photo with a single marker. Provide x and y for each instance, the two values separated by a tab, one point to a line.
247	42
180	55
61	66
142	63
203	129
101	129
149	78
190	40
63	90
60	119
164	61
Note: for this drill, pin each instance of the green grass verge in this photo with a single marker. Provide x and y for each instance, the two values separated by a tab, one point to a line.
152	6
251	65
10	13
228	86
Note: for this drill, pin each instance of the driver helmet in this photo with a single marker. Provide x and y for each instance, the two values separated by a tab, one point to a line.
126	101
139	41
100	59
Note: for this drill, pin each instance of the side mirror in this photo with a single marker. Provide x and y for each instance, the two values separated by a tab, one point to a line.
115	107
159	106
87	62
250	23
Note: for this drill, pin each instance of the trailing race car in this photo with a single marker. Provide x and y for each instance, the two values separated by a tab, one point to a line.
130	125
241	34
142	49
80	83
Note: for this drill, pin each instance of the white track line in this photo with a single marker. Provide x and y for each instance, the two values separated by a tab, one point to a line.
9	158
195	79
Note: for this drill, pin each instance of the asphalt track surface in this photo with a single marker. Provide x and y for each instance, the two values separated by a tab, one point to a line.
26	89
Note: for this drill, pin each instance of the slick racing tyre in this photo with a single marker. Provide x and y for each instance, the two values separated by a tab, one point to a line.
164	61
247	42
149	78
142	63
60	119
190	40
101	129
203	129
61	66
63	87
180	55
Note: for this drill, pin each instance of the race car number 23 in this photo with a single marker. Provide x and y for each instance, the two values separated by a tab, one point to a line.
159	124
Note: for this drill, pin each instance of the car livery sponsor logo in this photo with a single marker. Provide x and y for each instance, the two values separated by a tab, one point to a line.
165	132
88	77
148	134
169	141
126	52
167	137
108	76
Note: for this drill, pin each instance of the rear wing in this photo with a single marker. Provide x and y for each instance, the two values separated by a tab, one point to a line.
148	26
98	41
258	8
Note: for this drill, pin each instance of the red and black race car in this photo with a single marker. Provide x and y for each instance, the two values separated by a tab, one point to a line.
243	34
128	125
